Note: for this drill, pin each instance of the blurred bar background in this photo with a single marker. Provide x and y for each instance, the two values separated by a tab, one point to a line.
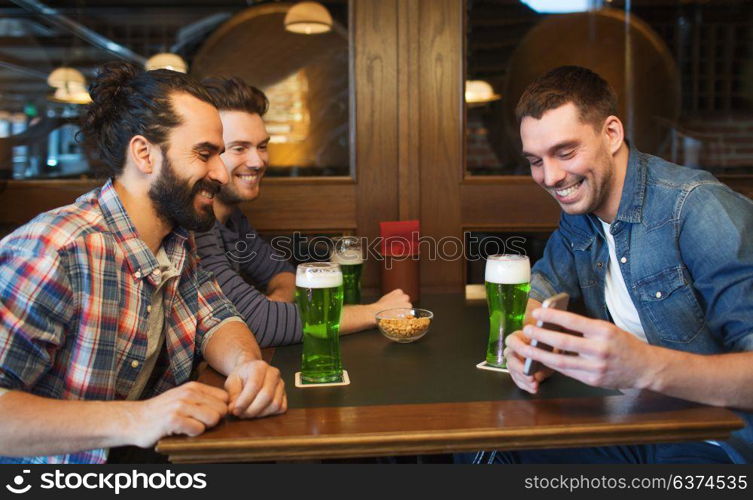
373	120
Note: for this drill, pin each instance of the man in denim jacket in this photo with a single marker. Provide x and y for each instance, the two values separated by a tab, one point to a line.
660	255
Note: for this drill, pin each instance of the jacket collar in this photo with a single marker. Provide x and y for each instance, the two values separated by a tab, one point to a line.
583	229
634	188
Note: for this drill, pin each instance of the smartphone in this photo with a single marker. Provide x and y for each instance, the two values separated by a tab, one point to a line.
560	302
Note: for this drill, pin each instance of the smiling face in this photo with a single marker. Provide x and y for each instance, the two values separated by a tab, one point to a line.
573	161
191	171
246	157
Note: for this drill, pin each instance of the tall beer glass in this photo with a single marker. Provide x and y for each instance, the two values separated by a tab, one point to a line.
347	252
508	280
319	295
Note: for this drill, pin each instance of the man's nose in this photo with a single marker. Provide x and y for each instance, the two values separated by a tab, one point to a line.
217	170
253	158
553	174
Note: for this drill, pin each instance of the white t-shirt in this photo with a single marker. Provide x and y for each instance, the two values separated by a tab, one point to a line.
620	305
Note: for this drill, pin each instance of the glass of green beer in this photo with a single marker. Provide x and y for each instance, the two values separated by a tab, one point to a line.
348	253
319	295
508	280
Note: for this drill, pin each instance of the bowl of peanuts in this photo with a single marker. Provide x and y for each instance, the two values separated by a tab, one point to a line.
404	325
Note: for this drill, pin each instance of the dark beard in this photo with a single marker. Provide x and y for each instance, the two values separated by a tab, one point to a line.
173	199
228	196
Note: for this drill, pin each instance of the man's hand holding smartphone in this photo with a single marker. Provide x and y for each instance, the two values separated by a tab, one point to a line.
518	342
560	302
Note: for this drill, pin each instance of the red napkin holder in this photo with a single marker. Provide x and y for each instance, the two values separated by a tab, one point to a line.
400	253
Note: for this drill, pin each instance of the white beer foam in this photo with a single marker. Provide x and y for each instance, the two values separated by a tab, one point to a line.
319	280
347	257
508	270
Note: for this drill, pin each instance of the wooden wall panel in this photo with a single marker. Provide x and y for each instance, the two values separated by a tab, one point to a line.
409	91
441	134
283	205
513	203
21	201
374	36
311	206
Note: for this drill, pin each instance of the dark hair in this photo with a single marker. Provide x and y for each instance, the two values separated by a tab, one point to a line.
591	94
233	94
129	101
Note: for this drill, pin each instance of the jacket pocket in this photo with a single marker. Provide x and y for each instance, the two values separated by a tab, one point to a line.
668	300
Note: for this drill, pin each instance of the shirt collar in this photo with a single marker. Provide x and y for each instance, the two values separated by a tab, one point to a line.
139	257
634	188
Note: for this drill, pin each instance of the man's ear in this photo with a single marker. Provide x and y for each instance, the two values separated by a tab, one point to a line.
141	153
614	132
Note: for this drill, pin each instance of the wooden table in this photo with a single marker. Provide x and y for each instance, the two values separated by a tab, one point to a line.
428	397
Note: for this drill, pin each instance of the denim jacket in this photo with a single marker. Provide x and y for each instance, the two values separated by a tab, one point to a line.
684	243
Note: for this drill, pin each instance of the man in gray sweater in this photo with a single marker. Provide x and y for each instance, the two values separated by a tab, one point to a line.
243	263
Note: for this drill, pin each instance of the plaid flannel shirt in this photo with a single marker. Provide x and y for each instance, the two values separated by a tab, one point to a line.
75	284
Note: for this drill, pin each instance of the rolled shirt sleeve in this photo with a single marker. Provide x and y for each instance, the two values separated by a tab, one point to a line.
214	309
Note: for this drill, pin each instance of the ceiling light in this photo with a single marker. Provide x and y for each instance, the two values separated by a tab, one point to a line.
479	92
167	60
64	75
562	6
73	93
309	18
70	86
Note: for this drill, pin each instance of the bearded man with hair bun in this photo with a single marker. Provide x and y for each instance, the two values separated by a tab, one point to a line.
104	310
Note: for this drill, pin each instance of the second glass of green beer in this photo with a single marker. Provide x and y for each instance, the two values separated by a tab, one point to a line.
508	281
348	253
319	295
